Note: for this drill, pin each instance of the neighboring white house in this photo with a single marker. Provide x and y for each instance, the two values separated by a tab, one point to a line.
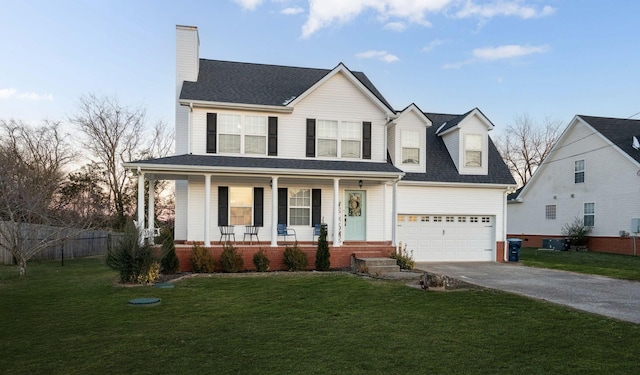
592	173
258	145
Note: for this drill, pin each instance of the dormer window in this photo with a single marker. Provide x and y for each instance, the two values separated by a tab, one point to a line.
410	147
473	150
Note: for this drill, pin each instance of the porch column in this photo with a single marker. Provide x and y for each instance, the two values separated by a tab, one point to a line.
337	220
394	215
140	223
207	210
274	211
151	209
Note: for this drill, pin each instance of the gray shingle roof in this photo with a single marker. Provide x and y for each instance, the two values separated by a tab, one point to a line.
271	163
619	131
440	167
259	84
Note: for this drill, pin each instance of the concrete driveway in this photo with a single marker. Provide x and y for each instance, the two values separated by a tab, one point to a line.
614	298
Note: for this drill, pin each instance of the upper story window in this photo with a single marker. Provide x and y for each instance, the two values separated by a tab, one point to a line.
578	171
410	147
589	214
342	138
472	150
242	134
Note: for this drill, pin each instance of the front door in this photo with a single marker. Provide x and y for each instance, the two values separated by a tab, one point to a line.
355	215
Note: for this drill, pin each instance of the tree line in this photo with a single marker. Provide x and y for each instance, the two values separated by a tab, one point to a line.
45	179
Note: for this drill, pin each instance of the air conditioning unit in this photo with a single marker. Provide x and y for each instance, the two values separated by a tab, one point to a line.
624	233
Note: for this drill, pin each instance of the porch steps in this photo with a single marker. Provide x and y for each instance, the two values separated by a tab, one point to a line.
376	266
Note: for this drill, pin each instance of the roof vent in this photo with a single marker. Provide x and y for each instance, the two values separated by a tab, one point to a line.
636	143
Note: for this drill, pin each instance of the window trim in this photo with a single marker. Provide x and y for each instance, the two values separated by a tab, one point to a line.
467	149
290	206
550	212
339	138
591	213
406	144
579	172
242	134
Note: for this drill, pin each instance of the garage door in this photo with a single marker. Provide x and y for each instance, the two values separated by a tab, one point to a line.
438	238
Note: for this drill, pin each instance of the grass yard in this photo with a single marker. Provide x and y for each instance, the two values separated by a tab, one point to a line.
604	264
73	320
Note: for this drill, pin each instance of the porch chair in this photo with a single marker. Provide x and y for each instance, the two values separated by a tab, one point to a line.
250	230
226	231
316	231
285	231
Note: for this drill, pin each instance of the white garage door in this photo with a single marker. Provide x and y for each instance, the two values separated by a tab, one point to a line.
441	238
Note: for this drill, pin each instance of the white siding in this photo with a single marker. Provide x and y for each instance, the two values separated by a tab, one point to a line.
473	125
452	141
611	182
181	202
453	201
411	121
187	65
391	143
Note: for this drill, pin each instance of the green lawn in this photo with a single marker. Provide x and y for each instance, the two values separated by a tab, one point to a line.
73	320
612	265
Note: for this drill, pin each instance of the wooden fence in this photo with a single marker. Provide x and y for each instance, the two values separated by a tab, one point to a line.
86	243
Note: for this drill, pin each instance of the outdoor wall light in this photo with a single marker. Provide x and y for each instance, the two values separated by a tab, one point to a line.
360	183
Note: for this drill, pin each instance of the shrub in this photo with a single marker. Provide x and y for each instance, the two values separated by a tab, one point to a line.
576	232
132	260
230	260
169	263
403	258
261	261
294	258
323	263
201	260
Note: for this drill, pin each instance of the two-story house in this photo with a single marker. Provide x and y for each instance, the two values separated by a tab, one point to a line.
593	174
260	145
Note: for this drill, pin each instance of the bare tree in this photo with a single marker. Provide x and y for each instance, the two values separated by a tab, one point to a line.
114	134
31	171
525	144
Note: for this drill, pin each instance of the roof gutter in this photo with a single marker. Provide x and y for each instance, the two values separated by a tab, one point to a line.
456	184
235	106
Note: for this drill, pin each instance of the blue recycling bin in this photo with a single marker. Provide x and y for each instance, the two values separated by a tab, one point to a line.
514	249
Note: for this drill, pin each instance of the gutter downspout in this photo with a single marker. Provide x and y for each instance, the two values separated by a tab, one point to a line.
505	247
189	128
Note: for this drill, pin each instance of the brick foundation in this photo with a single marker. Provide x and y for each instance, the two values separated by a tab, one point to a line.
500	252
340	256
614	245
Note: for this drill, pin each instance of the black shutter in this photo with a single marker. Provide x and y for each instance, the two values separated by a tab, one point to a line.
366	140
212	120
311	137
273	137
282	205
223	205
316	206
258	206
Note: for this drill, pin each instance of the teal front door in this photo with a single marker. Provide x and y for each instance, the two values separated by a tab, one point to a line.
355	215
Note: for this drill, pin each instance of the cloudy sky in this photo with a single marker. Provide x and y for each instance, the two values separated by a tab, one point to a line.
545	58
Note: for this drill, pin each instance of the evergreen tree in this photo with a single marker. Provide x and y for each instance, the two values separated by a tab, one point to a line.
169	263
322	254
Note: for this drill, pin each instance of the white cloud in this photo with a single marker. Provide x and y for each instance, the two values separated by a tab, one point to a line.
395	26
248	4
507	51
324	13
434	43
514	8
498	53
292	11
11	93
380	55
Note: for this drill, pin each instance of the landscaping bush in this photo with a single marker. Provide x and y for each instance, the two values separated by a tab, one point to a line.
294	258
576	232
261	261
230	260
169	263
133	261
403	258
323	263
201	260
